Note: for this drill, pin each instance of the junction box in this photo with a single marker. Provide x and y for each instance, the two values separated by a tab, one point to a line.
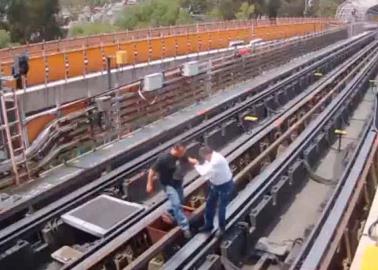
153	82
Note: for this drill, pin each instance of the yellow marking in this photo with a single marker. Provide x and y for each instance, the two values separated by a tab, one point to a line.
369	259
251	118
340	132
121	57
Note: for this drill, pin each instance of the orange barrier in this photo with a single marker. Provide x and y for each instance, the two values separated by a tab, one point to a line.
55	46
37	124
55	64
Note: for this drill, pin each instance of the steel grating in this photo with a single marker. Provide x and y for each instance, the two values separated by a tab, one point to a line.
112	211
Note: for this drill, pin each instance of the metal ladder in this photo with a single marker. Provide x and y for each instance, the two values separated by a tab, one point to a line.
14	136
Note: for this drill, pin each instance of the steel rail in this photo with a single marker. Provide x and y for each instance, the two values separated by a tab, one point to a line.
112	178
139	160
326	234
105	240
140	262
193	253
168	239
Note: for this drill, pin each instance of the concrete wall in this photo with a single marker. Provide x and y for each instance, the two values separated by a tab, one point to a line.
45	96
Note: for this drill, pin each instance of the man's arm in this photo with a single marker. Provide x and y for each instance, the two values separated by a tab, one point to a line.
201	169
151	180
205	169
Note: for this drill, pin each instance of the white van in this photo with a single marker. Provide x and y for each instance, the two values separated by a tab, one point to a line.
236	43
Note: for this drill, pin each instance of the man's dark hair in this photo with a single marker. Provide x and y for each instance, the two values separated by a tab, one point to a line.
205	150
179	145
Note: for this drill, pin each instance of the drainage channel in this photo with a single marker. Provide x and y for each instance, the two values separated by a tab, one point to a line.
336	235
307	205
258	212
141	244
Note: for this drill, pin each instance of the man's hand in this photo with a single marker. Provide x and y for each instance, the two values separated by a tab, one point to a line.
193	161
150	187
150	181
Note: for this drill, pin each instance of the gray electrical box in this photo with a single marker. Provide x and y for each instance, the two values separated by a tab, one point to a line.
153	82
104	103
190	69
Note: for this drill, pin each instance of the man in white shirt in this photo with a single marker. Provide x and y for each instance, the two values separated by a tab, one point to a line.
217	170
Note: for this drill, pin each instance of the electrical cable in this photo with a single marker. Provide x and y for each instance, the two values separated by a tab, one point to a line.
371	231
73	166
144	98
317	178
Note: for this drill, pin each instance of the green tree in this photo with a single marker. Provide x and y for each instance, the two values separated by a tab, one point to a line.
37	24
87	29
153	13
225	9
272	7
184	17
291	8
327	8
4	39
260	7
196	6
245	12
3	13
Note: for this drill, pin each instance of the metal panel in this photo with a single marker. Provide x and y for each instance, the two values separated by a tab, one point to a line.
113	211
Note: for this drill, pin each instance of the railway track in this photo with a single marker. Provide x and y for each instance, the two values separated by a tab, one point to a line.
274	202
261	134
196	129
139	155
334	239
139	246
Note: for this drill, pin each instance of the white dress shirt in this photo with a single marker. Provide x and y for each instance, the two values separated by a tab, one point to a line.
216	170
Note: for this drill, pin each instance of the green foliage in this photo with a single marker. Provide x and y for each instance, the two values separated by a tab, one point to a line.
215	13
245	12
260	7
38	23
196	6
87	29
4	39
153	13
79	4
228	9
327	8
272	7
97	2
184	17
237	9
291	8
36	20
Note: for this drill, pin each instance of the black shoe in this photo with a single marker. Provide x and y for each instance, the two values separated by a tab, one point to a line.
205	229
220	233
187	234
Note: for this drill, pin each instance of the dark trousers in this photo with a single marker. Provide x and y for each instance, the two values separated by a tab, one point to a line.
221	195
